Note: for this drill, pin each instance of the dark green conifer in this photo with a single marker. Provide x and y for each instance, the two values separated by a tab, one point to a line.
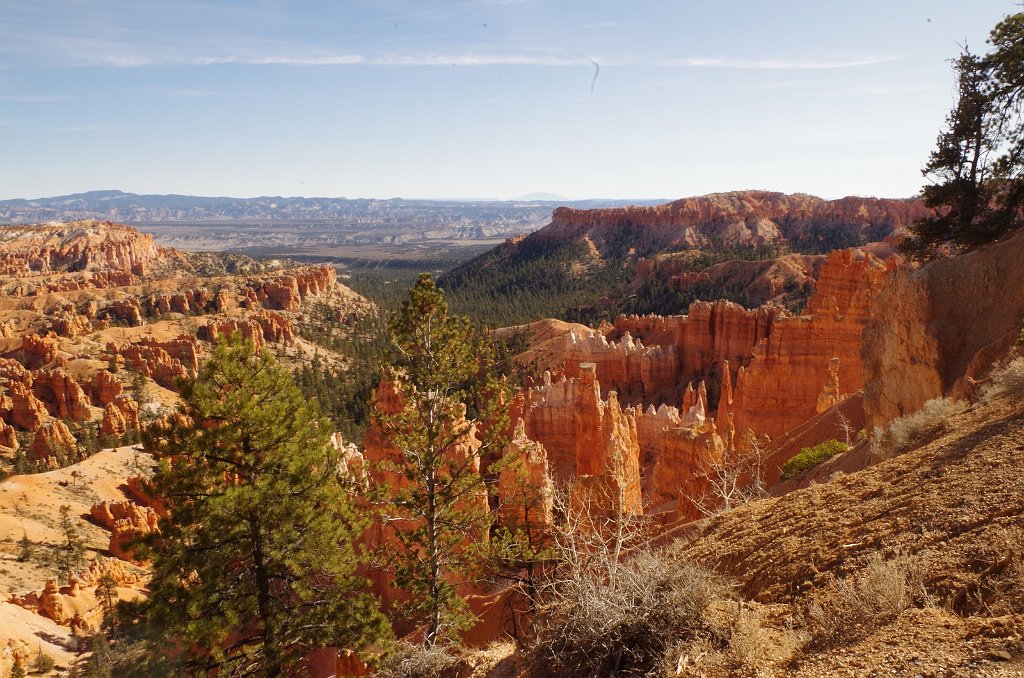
255	566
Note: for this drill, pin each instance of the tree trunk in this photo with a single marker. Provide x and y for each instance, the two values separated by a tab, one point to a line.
271	653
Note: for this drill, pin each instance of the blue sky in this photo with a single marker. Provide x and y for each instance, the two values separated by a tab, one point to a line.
477	98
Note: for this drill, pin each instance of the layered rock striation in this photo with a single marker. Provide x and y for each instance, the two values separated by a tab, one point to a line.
75	246
758	373
816	351
741	218
639	459
934	331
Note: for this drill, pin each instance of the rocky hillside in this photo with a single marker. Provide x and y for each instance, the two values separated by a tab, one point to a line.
97	324
943	523
689	387
901	556
588	264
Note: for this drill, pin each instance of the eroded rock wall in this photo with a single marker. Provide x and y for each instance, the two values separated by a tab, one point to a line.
791	367
935	330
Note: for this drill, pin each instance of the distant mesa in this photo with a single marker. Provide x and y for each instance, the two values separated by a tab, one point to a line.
747	246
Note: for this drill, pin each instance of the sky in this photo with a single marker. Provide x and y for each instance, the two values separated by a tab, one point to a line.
477	98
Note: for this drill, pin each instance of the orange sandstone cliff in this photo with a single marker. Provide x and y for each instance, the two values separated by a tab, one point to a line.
770	370
734	219
935	330
820	350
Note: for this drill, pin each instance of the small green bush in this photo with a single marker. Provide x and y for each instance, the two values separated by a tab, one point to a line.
43	663
809	457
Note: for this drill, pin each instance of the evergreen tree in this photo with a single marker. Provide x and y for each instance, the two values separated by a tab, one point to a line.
74	548
976	171
1006	65
25	548
443	374
255	566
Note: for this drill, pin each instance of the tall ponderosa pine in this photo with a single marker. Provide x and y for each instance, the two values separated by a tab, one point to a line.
976	171
443	373
255	566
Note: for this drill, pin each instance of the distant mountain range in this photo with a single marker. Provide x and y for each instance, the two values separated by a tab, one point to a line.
132	208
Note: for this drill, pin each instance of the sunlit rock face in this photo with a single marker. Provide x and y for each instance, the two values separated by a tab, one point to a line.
934	331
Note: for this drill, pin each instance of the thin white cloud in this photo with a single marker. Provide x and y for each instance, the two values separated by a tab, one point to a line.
32	98
128	59
776	64
497	3
467	59
472	59
269	60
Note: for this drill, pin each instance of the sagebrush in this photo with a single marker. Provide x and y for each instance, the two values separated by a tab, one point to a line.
879	593
1006	381
914	430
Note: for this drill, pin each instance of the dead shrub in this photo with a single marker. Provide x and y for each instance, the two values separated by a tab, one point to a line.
734	478
1011	587
623	621
696	657
753	644
406	660
917	429
1006	381
875	596
994	582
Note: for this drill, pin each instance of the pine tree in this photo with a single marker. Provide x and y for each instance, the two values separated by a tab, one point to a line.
25	548
256	565
960	167
976	171
442	373
74	548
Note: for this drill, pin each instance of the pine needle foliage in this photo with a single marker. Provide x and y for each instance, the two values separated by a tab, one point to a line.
255	566
453	415
976	172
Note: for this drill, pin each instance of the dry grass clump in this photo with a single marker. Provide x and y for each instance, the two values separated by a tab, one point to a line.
875	596
916	429
625	623
744	641
1006	381
406	660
